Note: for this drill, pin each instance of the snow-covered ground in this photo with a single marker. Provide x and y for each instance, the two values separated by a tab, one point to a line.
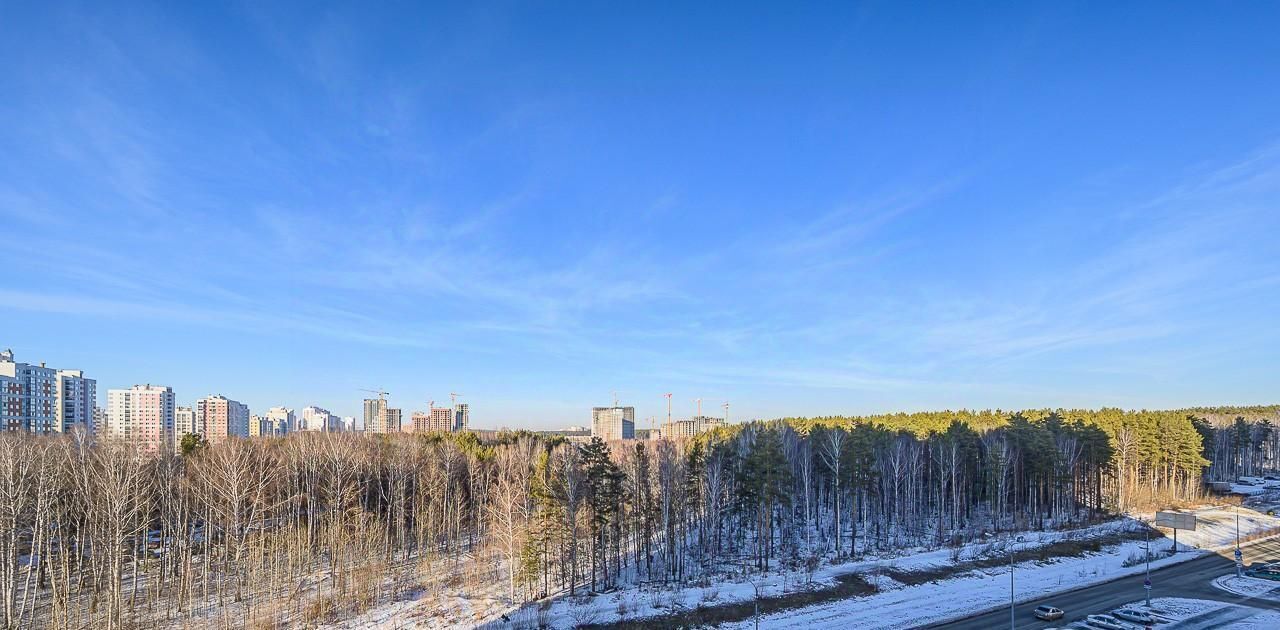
909	606
899	606
896	605
564	613
1216	526
1249	587
1194	614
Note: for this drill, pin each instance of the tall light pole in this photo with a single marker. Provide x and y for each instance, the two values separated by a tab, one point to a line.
1239	555
1146	532
1012	623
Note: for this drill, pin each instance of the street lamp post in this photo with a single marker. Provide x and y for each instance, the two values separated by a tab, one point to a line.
1239	556
1146	531
1012	622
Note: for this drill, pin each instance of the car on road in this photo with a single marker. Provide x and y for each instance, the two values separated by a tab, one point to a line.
1048	613
1107	622
1133	614
1266	572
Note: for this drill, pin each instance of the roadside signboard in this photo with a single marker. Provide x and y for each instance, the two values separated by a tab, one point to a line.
1176	520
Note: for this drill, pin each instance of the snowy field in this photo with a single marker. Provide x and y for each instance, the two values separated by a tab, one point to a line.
896	605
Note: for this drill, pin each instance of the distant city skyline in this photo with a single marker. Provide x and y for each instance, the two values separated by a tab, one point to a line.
817	209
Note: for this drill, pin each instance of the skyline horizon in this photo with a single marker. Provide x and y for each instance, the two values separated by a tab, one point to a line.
642	420
804	209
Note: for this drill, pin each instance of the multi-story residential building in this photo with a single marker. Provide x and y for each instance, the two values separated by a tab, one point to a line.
348	423
388	421
373	408
462	417
317	419
439	419
77	398
42	399
282	420
417	423
142	416
681	429
184	422
613	423
222	418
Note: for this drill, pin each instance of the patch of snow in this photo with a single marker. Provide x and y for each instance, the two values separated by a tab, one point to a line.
1249	587
1200	613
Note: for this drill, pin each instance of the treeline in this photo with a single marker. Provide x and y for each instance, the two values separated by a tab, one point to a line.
309	527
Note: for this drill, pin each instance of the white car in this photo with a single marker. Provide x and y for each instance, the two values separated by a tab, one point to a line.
1047	613
1105	621
1133	614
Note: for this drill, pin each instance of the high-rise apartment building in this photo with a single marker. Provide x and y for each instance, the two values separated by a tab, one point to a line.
142	416
348	423
222	418
282	420
373	408
462	417
41	399
77	398
317	419
388	421
613	423
184	422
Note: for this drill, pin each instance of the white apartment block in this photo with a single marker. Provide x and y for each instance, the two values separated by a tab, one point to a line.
42	399
613	423
282	420
184	422
317	419
222	417
142	416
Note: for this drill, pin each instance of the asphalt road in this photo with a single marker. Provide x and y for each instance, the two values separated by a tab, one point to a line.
1189	579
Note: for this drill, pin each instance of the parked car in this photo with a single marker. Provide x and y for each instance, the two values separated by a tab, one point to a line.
1105	621
1271	478
1266	572
1133	614
1048	613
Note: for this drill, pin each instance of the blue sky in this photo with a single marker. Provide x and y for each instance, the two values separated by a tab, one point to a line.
799	208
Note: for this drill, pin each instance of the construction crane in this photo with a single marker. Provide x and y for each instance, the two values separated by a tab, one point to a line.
453	400
726	412
668	407
382	393
699	401
615	400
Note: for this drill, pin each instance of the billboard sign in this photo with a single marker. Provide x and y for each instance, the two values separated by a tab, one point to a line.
1176	520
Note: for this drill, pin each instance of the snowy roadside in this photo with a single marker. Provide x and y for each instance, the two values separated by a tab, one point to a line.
1249	587
1181	612
640	604
909	606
